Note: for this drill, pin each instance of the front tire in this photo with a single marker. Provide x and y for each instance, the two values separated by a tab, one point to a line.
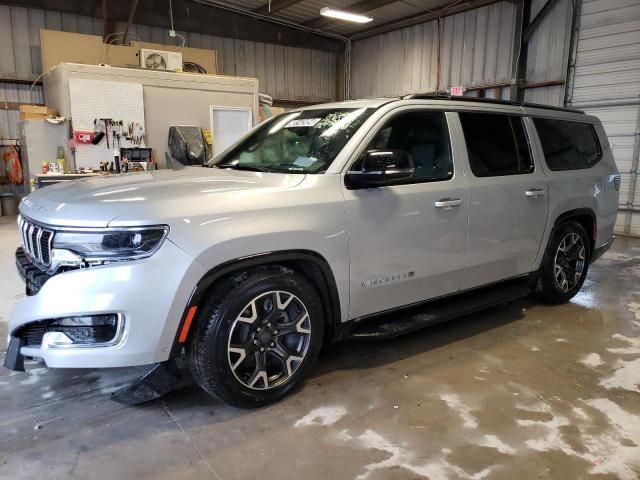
257	337
565	264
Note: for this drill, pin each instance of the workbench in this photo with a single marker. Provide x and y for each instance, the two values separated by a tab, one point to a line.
45	179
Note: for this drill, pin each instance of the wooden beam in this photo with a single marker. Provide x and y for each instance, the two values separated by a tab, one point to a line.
363	6
543	84
16	105
535	23
195	17
276	6
423	18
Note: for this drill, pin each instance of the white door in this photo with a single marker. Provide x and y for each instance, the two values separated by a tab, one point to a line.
407	241
508	198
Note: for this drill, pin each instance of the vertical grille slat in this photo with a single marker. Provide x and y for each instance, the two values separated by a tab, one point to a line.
30	249
39	244
23	231
36	241
35	237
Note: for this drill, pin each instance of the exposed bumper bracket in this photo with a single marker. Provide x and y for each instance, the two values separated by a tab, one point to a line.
160	380
14	359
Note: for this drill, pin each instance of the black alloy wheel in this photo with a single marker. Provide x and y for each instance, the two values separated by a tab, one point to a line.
269	340
565	264
257	336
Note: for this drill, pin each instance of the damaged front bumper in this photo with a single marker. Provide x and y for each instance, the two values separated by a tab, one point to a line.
56	321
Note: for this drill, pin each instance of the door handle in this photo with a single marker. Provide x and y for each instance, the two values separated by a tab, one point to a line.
535	192
448	203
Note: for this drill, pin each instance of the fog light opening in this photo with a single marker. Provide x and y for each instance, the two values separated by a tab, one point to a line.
77	331
55	340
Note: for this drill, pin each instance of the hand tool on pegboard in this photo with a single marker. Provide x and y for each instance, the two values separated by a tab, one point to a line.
107	124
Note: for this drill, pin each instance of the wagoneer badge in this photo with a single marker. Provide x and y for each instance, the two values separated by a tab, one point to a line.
388	279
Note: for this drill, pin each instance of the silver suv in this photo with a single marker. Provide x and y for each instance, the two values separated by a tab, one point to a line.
358	219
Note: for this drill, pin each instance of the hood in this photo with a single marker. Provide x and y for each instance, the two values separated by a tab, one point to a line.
146	196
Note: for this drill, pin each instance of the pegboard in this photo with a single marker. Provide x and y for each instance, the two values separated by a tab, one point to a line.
95	99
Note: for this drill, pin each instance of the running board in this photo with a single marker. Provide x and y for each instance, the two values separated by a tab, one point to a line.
408	320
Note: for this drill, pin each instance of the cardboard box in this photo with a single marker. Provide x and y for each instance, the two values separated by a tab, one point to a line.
66	47
36	112
41	109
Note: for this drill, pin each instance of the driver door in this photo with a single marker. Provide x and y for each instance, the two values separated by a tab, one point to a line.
407	241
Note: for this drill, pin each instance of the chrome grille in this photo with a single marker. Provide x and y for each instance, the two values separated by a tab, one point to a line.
36	241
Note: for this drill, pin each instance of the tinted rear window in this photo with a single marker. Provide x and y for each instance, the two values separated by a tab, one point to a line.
568	145
496	143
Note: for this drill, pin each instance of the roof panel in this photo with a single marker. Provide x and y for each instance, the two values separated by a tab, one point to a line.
391	12
307	10
247	4
310	9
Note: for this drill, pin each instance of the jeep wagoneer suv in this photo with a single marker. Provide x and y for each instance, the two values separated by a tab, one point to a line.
357	219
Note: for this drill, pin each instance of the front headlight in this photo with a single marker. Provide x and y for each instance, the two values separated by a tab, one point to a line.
95	245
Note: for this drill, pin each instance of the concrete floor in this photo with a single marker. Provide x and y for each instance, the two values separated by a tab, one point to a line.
522	391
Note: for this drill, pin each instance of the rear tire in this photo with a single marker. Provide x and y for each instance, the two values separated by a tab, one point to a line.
257	336
565	264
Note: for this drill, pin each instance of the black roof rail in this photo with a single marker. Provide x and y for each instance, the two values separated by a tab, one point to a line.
433	96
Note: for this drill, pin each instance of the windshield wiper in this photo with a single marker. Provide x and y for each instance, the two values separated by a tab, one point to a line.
251	167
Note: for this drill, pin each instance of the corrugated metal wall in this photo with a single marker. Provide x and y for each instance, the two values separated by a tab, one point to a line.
548	52
607	84
477	50
284	72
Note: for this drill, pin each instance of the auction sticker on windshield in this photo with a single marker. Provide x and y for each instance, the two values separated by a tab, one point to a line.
303	122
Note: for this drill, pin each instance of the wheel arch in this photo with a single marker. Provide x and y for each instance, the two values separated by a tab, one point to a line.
306	262
585	217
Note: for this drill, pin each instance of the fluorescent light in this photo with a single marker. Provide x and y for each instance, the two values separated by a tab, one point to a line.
347	16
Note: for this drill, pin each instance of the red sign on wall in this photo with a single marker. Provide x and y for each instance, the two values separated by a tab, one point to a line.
457	91
83	136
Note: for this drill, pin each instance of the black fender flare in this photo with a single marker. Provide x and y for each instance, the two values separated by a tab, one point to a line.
579	212
563	217
576	212
329	295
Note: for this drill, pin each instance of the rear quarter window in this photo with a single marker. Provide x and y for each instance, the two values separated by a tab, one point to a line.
568	145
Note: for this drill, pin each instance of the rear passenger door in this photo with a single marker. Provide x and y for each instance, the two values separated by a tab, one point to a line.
508	201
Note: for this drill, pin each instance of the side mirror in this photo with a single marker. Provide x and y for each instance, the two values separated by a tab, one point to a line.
381	167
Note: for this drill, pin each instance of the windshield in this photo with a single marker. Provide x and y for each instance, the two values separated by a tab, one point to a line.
298	142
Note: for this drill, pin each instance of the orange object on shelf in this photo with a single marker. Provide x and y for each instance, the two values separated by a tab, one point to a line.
13	165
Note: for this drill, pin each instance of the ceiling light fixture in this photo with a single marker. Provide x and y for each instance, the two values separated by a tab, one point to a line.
346	16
